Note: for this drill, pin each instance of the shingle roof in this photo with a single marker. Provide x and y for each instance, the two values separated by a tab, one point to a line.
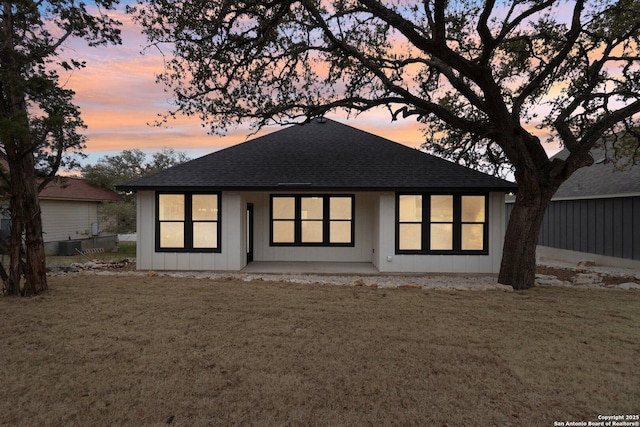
605	177
320	155
67	188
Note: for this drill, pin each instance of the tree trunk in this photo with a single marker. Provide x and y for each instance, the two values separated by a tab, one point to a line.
36	275
16	266
518	267
17	140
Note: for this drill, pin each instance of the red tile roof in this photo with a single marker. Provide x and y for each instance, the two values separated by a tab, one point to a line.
66	188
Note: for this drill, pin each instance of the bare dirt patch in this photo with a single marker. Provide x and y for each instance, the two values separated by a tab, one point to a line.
568	274
137	350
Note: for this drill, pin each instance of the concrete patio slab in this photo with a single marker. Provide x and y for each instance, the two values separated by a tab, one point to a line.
310	268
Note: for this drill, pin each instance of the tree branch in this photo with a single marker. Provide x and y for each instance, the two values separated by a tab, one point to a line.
487	39
406	97
551	67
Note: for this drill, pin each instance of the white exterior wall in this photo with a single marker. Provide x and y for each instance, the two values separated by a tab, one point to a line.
375	213
67	220
440	263
232	256
374	239
365	206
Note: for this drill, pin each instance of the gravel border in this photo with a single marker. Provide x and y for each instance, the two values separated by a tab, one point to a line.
590	277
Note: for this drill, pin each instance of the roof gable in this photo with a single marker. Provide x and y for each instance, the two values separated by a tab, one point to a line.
320	155
67	188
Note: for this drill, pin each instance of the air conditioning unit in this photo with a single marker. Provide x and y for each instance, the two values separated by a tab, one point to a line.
69	247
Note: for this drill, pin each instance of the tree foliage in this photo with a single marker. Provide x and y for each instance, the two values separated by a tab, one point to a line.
39	124
110	171
475	73
118	217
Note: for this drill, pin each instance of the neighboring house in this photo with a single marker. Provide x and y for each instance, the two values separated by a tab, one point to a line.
595	214
70	218
320	192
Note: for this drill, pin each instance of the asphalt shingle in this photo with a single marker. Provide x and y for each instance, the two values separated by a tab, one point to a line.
327	156
607	176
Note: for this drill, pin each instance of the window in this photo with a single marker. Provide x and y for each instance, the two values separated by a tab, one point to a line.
188	222
283	211
312	220
473	223
410	222
341	220
441	224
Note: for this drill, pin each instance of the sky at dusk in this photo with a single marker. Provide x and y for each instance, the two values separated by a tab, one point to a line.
119	99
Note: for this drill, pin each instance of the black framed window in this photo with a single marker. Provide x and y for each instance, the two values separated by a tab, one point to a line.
441	223
409	214
188	222
312	220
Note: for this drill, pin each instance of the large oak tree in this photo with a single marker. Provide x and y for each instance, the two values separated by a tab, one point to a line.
476	73
38	121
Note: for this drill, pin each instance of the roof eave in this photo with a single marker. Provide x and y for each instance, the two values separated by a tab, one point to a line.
78	199
320	188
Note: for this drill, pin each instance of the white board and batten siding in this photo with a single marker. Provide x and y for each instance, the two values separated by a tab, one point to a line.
232	257
234	237
374	223
365	204
387	261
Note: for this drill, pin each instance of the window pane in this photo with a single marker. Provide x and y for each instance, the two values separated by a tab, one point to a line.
472	237
205	235
441	208
284	207
171	207
472	208
172	235
311	207
441	237
340	208
311	231
283	232
340	232
204	207
410	237
410	208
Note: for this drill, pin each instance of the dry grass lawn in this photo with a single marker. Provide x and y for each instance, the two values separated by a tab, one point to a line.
101	350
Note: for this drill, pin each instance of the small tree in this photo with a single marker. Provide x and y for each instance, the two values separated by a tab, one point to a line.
473	72
110	171
38	122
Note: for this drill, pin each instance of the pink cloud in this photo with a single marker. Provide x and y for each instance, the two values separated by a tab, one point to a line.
119	97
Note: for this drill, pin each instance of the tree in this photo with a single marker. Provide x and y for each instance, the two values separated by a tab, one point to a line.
110	171
474	72
38	121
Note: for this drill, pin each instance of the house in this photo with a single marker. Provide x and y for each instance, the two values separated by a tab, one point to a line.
320	192
70	219
595	214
